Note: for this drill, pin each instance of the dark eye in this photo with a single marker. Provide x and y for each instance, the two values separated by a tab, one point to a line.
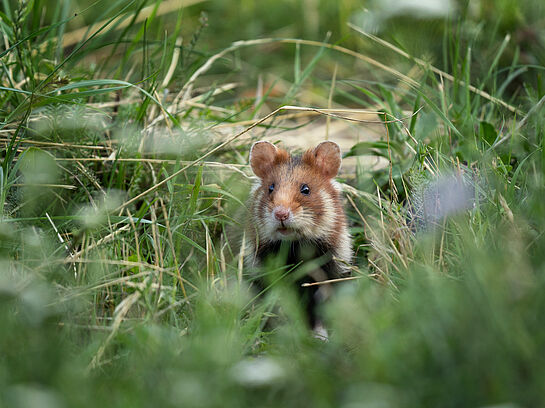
271	188
305	190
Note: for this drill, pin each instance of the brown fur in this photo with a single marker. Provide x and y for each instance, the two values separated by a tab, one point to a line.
316	219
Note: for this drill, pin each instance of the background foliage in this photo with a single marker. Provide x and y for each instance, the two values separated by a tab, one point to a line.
125	128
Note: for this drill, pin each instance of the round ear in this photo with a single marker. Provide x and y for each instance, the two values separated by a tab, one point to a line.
327	158
262	158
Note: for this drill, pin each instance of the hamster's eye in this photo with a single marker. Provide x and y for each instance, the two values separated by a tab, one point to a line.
271	188
305	190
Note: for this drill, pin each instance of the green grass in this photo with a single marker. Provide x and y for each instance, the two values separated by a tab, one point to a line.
124	171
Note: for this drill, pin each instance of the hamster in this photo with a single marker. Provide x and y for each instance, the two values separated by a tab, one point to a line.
296	209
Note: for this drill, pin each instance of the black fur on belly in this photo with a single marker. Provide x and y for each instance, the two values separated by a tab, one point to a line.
299	253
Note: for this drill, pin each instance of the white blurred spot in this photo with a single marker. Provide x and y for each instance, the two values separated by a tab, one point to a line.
434	200
96	213
447	195
257	372
418	8
320	332
371	19
33	396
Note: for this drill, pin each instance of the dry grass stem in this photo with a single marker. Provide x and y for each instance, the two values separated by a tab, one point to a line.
304	285
165	7
435	70
105	240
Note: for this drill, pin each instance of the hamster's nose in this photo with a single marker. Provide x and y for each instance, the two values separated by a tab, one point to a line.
281	213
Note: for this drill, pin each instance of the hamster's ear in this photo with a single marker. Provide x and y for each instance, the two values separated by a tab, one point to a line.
262	158
326	157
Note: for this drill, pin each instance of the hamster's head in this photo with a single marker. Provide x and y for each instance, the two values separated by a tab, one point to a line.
296	197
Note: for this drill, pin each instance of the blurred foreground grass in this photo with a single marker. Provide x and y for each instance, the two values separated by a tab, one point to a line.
124	169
